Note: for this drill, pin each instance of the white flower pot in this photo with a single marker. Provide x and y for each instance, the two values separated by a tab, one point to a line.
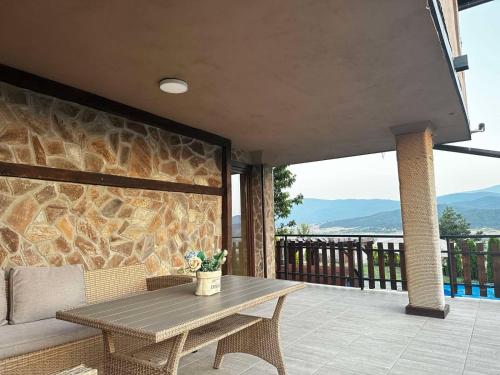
207	283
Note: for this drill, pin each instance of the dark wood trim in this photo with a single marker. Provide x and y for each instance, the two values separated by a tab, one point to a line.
247	218
227	214
91	178
239	168
431	313
64	92
264	240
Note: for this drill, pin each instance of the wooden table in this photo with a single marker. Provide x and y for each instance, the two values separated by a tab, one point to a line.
159	327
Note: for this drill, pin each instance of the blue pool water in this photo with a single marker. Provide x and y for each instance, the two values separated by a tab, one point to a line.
475	292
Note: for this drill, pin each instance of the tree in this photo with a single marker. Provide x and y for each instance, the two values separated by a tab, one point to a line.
452	223
283	202
303	229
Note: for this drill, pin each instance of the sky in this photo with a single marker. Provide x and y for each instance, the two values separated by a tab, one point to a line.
375	176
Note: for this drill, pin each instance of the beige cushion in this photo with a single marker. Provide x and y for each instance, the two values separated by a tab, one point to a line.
38	292
29	337
3	299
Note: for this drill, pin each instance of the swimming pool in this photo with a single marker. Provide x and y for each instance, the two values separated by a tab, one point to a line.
475	292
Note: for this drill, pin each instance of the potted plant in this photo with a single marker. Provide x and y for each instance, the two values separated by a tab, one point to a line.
207	268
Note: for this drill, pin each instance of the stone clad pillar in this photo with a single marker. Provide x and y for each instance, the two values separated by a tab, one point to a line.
420	221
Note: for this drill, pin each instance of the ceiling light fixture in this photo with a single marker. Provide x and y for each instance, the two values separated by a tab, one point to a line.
173	86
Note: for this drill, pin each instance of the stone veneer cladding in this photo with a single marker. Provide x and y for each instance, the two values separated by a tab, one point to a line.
52	223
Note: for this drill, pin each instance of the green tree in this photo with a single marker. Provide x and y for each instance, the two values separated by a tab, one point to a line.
283	202
452	223
303	229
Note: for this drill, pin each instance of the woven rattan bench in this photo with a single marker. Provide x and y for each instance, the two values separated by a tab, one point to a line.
100	285
162	326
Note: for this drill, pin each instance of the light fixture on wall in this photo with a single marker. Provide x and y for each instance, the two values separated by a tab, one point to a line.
173	86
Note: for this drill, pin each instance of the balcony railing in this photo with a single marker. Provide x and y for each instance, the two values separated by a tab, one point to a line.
471	264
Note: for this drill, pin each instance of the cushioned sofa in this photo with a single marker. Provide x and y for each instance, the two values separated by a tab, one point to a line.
33	342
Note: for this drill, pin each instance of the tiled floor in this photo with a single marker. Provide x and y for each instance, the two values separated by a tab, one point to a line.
343	331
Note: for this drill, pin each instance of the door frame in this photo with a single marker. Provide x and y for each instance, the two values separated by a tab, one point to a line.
246	197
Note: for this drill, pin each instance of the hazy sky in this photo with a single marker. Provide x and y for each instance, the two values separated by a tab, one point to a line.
375	176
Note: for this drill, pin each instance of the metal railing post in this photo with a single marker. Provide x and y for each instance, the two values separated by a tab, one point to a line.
360	265
286	257
450	264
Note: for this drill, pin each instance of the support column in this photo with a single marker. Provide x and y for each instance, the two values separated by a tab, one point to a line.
420	222
263	216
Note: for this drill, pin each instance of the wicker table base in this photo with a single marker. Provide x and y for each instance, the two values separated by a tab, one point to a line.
79	370
237	333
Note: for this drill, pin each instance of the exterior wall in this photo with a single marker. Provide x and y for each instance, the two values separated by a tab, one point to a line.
451	20
420	220
52	223
450	15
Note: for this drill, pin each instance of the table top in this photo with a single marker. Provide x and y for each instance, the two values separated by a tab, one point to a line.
165	313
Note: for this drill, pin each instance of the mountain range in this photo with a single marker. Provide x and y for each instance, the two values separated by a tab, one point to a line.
481	208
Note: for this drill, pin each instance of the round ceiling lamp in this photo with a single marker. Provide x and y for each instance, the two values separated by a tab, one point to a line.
173	86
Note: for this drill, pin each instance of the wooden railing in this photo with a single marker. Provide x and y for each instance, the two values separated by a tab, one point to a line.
470	265
474	264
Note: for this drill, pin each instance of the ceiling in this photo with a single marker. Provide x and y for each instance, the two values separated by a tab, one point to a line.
291	80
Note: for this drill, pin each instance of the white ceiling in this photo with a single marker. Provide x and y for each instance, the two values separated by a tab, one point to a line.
292	80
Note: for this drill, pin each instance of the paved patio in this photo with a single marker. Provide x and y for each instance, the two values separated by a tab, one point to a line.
343	331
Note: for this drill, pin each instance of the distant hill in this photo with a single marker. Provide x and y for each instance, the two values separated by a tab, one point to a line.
390	221
465	197
492	189
387	221
236	226
480	207
317	211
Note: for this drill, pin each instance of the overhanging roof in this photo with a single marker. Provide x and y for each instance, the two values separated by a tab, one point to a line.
293	81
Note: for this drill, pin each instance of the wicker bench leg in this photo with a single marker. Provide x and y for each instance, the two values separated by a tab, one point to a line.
261	340
123	364
175	354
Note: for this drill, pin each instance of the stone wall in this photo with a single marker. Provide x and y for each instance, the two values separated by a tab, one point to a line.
269	221
263	216
51	223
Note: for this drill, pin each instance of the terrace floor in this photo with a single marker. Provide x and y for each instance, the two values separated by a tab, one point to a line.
344	331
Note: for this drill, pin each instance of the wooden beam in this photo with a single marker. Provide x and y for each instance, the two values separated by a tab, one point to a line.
46	86
264	234
227	214
91	178
247	203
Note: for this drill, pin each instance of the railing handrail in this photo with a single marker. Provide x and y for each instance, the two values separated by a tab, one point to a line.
384	236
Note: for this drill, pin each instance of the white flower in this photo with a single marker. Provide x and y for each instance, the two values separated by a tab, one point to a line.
223	260
225	253
194	264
